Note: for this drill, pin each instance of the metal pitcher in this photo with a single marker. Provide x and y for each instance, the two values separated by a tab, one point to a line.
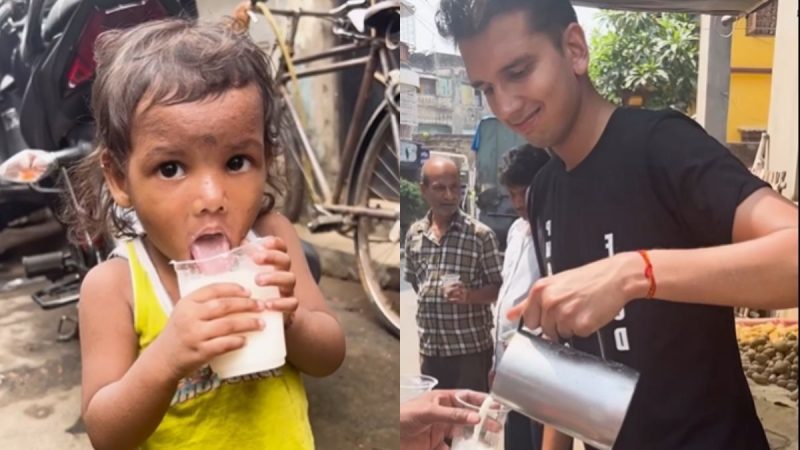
577	393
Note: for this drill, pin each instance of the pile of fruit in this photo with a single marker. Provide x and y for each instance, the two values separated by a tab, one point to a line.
769	353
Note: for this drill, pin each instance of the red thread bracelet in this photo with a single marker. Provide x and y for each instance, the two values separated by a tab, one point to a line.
648	273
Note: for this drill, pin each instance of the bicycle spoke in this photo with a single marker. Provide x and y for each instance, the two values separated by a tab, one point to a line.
394	192
393	187
391	169
378	193
386	183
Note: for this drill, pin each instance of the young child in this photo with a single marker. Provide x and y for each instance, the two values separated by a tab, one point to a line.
183	115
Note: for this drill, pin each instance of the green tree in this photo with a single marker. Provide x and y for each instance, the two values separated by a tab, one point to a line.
650	54
412	206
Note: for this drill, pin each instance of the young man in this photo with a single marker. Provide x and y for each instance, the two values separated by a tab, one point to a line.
520	271
454	321
711	235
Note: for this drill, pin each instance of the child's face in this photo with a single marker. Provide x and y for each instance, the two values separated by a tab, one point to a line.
196	172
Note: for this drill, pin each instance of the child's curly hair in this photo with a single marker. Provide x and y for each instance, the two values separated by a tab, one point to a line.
170	61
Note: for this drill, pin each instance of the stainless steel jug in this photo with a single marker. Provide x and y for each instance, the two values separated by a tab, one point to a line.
577	393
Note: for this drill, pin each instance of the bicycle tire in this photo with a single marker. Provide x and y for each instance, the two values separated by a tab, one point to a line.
288	166
379	171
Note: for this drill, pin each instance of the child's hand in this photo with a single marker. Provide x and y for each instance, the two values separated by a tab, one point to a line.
274	255
206	323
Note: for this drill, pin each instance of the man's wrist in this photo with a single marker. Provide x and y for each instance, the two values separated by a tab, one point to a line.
634	281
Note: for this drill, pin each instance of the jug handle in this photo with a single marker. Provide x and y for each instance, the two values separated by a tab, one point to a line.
528	332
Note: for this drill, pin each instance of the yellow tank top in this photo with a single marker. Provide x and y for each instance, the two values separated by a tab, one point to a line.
263	411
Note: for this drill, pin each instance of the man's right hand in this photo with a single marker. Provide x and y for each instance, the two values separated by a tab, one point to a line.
456	293
205	324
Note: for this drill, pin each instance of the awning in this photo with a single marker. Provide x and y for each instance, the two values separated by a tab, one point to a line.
715	7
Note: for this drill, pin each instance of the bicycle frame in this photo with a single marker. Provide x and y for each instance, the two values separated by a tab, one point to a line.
378	65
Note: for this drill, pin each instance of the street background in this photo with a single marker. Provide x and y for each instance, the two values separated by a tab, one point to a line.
354	408
741	72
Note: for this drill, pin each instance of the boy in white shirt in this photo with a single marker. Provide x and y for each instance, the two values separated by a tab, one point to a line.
520	271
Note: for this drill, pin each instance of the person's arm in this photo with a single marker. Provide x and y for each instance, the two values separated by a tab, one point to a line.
750	258
491	264
315	342
426	421
124	396
116	413
482	296
747	234
552	439
434	407
759	271
410	263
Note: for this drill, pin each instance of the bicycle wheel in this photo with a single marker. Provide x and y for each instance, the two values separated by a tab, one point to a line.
288	167
377	248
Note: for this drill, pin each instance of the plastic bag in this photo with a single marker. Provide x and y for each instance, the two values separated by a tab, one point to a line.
27	166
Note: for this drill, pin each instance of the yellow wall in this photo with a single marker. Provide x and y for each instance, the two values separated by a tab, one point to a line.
750	51
748	103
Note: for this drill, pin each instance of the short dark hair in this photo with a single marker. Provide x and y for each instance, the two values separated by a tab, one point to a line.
460	19
520	165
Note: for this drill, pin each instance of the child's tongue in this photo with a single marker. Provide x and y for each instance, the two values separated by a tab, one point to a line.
205	248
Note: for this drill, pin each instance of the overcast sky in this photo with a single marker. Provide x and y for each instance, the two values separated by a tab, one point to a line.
428	39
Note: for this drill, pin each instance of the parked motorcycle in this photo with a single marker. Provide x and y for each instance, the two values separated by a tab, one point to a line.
46	72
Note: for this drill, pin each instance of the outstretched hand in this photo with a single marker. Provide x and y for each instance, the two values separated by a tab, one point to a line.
427	420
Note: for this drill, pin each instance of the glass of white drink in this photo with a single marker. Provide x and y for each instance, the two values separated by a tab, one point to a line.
488	433
265	349
412	386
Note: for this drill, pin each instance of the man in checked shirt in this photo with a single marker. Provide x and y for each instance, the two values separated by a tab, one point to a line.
455	323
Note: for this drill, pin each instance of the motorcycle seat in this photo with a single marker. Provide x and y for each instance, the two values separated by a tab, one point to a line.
61	12
57	18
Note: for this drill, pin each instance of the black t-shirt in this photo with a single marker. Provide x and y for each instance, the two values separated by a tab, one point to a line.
657	180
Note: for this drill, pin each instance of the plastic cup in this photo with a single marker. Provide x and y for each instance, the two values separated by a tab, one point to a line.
412	386
263	350
449	280
486	435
